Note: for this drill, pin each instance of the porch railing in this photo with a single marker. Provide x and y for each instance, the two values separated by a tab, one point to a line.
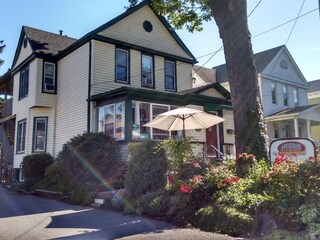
7	108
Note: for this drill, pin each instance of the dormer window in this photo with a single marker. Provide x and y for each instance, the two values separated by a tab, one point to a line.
49	77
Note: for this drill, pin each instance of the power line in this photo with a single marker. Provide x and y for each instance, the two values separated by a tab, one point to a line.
295	22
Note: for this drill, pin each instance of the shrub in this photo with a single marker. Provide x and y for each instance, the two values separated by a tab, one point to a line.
145	169
57	177
224	220
154	203
91	157
309	214
82	194
34	167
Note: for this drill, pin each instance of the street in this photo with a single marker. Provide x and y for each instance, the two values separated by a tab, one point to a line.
30	217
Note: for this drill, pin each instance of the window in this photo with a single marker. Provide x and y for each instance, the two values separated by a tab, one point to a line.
273	92
49	77
147	71
21	136
143	113
295	97
170	81
40	134
112	120
276	130
122	65
285	95
24	83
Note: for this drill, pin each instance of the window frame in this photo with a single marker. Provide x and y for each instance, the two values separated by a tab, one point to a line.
24	83
101	125
35	135
54	80
127	65
273	92
152	71
174	89
21	140
285	95
295	97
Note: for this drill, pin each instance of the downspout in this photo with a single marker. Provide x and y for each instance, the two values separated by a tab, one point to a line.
89	89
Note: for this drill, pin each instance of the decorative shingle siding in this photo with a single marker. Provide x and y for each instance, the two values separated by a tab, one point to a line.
130	30
71	115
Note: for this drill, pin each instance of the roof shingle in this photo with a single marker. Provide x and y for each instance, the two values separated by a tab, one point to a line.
46	42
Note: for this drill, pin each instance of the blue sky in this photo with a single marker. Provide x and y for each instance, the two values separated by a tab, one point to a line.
78	17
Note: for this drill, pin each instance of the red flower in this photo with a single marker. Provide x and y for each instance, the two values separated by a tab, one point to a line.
231	180
197	179
185	188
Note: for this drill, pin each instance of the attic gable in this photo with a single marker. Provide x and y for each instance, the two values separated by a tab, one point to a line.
282	66
271	63
38	42
142	27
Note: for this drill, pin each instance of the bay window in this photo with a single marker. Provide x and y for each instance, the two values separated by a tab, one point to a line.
112	120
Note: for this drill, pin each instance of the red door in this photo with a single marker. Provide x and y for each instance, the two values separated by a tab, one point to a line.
212	139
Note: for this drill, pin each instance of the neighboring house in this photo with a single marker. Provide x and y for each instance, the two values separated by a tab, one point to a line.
114	79
314	98
205	79
283	90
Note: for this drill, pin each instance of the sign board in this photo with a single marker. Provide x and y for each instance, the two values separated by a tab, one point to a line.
295	149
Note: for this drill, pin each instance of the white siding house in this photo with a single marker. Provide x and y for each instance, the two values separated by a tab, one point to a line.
114	79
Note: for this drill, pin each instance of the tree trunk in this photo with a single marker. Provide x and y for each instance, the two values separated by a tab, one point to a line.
250	128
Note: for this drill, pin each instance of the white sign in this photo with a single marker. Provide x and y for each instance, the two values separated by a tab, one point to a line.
294	149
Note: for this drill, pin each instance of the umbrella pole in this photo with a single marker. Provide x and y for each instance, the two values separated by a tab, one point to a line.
183	130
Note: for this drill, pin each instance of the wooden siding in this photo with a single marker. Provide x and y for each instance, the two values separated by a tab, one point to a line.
43	99
23	54
212	93
291	75
29	115
130	30
228	124
103	70
71	113
21	106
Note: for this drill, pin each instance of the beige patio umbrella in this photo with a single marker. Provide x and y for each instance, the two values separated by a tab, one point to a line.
183	119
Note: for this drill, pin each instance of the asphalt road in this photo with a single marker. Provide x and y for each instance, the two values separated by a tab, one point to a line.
30	217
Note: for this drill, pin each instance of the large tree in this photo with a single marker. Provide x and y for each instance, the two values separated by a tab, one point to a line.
1	49
231	19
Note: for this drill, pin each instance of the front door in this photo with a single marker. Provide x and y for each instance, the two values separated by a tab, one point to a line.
212	139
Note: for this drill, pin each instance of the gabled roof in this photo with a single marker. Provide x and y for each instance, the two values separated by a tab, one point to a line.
94	34
314	86
217	86
51	44
43	42
206	74
262	59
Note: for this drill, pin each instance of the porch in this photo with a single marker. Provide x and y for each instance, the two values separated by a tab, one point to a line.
295	122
